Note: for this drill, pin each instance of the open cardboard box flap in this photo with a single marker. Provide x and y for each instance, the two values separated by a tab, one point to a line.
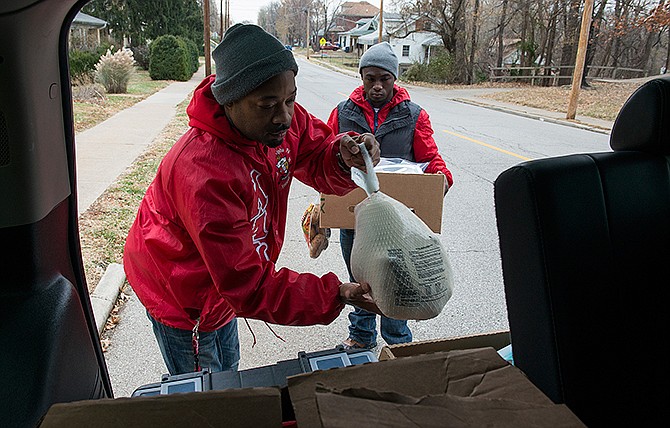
496	340
339	408
474	379
248	407
422	193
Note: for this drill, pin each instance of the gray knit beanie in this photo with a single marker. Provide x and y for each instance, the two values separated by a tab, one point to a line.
246	58
382	56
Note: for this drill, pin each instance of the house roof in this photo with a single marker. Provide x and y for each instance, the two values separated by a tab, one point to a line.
361	8
432	41
369	39
392	16
85	20
368	27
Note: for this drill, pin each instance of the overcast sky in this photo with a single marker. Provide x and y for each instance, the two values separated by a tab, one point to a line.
247	10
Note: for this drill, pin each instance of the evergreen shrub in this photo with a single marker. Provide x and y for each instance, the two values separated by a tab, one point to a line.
141	55
169	59
192	48
82	66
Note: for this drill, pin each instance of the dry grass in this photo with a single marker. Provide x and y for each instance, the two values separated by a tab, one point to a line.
603	100
91	108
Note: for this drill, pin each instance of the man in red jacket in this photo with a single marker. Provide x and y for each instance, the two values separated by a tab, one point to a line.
208	232
404	131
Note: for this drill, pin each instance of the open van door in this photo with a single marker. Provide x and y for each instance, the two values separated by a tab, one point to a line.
49	346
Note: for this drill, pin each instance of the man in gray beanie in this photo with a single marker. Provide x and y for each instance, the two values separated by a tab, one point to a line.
246	57
382	56
404	131
203	248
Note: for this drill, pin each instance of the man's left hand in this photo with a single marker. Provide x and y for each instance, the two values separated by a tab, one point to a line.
351	154
358	295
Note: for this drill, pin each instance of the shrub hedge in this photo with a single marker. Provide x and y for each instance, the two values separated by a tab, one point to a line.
193	54
169	59
82	64
141	55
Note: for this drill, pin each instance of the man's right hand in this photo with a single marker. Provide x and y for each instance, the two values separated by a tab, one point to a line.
351	154
358	295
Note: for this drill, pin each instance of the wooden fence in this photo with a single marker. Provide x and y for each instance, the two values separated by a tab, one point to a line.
540	75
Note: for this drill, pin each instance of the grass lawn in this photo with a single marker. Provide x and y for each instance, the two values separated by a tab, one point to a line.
603	100
88	113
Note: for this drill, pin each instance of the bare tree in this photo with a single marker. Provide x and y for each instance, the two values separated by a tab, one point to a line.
267	18
447	19
473	43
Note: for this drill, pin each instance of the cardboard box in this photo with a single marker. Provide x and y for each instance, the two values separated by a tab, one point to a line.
422	193
248	407
496	340
473	387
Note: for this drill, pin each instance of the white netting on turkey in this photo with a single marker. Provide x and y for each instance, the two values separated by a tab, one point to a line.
396	253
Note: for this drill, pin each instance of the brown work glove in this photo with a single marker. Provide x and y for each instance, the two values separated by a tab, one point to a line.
316	237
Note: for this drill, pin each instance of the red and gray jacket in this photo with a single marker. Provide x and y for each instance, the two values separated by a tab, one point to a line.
210	227
401	127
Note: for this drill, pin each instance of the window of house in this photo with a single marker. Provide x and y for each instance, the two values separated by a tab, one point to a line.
405	50
426	25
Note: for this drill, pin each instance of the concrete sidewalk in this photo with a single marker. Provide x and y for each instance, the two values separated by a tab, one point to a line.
105	151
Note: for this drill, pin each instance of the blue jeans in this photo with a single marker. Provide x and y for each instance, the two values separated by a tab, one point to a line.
218	350
363	324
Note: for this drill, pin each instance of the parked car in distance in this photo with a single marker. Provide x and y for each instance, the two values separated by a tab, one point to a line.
330	46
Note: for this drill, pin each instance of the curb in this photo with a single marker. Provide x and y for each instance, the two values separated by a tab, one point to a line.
105	294
565	122
325	64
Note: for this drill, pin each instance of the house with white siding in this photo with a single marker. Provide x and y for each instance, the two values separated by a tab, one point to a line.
411	41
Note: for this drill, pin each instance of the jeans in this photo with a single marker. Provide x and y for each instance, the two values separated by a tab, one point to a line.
218	350
363	324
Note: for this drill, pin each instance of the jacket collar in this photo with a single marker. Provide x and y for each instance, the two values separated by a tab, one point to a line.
399	95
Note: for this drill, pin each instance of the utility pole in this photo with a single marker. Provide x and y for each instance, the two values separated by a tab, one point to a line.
208	64
221	26
381	19
307	35
578	73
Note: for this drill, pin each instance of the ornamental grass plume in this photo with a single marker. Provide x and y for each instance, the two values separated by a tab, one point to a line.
114	70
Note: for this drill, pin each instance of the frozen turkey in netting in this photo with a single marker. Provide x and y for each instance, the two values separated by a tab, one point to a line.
401	259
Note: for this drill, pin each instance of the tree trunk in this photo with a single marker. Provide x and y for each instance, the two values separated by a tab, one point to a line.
645	52
473	44
459	38
593	40
570	41
551	40
618	14
501	31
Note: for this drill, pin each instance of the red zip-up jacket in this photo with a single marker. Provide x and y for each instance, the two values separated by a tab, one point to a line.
425	149
210	227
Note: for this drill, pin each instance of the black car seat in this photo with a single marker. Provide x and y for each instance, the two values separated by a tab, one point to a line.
585	248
